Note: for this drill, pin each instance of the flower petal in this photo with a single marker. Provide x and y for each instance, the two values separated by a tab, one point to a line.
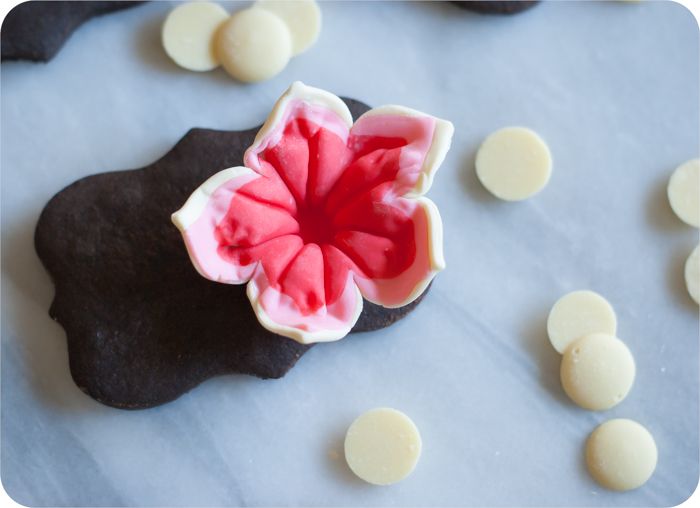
303	141
427	140
395	267
220	224
392	144
296	306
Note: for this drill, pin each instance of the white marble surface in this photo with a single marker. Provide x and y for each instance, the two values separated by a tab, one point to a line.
613	88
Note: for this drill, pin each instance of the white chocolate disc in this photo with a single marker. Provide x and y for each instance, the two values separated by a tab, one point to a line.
253	45
303	18
684	192
597	371
188	34
621	454
692	274
577	314
382	446
513	163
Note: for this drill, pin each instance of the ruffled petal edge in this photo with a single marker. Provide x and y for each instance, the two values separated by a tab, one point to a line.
437	148
410	284
279	314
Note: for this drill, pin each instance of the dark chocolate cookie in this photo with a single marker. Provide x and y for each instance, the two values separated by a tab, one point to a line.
36	30
143	326
496	7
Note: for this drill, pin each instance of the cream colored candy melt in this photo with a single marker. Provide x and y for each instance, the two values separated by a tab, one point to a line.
621	454
513	163
302	17
188	34
597	371
684	192
254	45
382	446
577	314
692	274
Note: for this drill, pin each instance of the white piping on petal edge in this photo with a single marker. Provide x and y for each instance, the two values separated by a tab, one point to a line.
302	336
298	91
439	145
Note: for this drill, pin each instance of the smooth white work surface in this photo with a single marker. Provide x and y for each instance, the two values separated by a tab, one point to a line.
611	87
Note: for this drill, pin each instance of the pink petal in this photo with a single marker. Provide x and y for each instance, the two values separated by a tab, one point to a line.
392	145
425	142
397	265
296	305
221	226
303	142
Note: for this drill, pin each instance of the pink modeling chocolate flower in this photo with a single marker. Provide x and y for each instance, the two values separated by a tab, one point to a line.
323	213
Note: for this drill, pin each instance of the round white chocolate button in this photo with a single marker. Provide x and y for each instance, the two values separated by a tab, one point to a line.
253	45
513	163
692	274
577	314
188	34
382	446
597	371
621	454
684	192
303	18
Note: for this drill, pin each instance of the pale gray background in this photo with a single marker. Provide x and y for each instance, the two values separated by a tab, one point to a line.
612	87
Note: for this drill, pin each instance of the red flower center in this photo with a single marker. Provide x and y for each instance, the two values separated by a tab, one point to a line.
315	226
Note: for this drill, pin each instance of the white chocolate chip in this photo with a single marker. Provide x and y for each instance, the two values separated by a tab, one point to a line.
684	192
254	45
188	34
621	454
692	274
382	446
303	18
577	314
513	163
597	371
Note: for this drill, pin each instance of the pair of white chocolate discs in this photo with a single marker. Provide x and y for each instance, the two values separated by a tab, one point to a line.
684	196
597	369
514	163
253	44
383	446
